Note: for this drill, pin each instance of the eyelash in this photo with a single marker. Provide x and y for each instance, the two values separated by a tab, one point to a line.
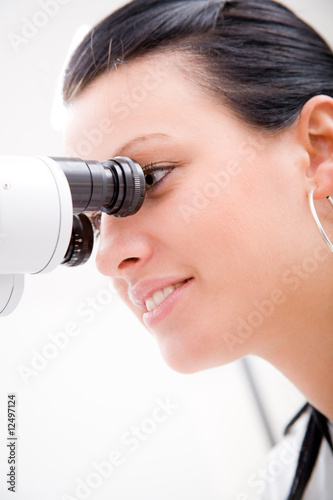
95	220
150	168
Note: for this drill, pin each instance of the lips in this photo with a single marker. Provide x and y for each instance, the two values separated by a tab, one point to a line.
149	294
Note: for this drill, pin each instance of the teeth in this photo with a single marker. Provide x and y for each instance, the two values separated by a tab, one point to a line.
150	305
160	295
168	290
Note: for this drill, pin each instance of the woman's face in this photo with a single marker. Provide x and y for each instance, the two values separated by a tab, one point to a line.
225	216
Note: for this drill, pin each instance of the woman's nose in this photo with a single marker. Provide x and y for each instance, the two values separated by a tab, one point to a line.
123	249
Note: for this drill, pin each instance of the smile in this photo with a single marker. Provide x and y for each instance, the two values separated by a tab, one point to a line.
161	304
160	295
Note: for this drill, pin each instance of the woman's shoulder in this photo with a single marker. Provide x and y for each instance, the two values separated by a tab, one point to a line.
283	459
274	477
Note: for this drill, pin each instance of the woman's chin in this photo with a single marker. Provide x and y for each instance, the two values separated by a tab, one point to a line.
187	358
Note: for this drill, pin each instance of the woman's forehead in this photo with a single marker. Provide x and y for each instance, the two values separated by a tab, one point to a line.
138	99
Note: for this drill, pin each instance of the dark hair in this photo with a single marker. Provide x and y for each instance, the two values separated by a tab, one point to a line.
256	56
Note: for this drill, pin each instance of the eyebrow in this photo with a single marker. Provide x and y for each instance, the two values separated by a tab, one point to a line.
125	148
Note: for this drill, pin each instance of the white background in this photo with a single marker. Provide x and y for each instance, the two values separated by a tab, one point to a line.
75	409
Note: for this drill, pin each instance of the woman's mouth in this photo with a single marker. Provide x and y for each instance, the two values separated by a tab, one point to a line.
161	295
163	301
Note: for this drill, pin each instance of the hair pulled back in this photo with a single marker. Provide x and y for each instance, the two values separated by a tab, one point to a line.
257	56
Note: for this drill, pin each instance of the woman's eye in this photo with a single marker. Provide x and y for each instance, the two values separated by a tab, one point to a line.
95	219
155	176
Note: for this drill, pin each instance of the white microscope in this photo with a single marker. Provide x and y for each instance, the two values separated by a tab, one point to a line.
42	205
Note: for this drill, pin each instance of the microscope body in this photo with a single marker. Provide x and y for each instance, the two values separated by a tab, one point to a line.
38	199
36	217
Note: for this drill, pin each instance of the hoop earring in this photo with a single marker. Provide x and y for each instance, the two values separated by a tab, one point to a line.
317	221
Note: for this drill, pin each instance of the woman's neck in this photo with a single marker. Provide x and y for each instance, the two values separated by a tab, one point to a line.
305	357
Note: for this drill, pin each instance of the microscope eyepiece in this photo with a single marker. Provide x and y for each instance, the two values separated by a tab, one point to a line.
82	242
128	176
116	186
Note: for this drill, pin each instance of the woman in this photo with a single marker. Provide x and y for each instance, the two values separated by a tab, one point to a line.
228	107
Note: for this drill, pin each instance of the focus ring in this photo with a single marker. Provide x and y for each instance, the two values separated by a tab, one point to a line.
138	188
129	190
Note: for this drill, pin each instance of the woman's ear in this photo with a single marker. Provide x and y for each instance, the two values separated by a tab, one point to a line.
316	129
